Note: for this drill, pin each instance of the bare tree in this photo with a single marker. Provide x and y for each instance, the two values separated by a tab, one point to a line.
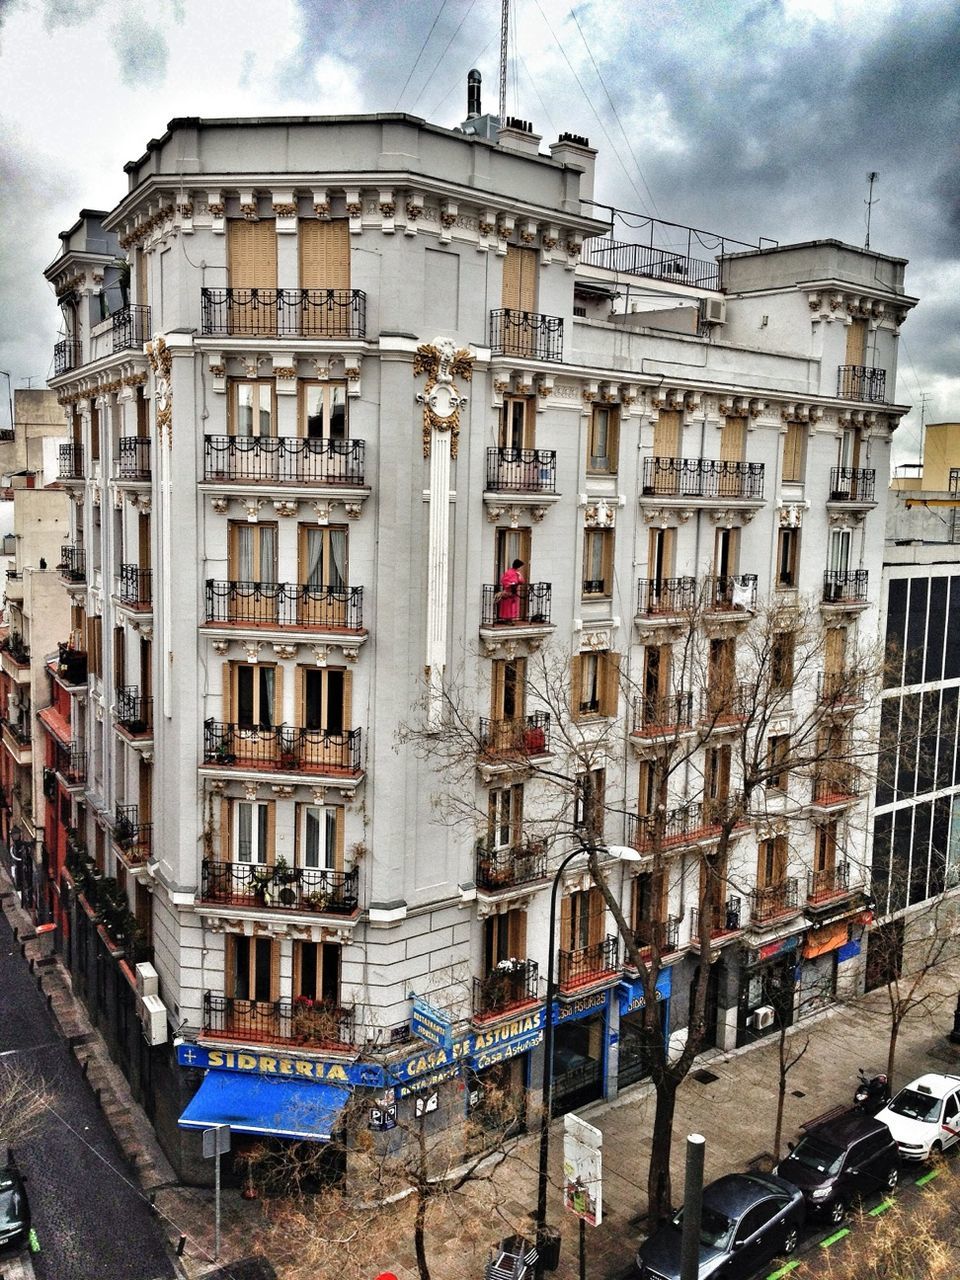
707	710
23	1100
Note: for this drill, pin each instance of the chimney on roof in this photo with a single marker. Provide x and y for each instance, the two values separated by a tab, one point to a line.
517	135
575	150
473	94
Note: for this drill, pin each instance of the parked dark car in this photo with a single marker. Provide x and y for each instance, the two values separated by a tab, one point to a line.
14	1210
843	1159
748	1218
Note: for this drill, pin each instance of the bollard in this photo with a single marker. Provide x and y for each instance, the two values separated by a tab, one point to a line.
181	1246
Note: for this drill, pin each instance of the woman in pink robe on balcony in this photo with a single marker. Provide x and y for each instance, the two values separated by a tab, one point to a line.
508	597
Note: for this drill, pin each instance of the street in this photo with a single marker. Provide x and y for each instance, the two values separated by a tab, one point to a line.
88	1212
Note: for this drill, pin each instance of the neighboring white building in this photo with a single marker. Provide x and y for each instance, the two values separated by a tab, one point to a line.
380	370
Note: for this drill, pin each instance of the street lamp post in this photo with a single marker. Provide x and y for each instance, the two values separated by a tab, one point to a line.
622	854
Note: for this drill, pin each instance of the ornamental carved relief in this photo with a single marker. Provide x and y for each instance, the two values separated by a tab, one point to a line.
441	361
161	361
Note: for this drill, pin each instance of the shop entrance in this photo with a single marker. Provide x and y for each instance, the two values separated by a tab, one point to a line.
636	1053
577	1063
766	998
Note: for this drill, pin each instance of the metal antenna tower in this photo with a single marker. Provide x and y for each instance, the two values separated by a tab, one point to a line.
872	176
504	28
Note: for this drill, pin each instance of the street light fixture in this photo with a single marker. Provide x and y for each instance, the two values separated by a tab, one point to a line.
621	853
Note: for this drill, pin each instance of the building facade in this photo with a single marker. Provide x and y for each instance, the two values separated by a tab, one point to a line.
335	395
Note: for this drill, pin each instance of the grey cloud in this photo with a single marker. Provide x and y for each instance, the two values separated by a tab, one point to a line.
141	51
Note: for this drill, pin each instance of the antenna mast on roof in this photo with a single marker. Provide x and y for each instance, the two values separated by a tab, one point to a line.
872	176
504	28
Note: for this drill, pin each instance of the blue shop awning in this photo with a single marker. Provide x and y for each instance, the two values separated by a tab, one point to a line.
264	1105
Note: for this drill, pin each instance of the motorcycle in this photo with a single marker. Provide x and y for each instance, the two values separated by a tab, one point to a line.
871	1094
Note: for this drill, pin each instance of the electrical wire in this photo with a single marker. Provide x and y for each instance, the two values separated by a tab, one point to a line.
426	41
543	105
458	82
432	70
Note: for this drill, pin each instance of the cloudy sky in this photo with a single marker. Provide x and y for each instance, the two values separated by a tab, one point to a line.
748	117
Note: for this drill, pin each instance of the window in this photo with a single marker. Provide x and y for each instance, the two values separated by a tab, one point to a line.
508	689
660	560
252	408
856	353
726	553
505	817
824	850
721	677
517	423
324	247
782	652
252	263
604	440
656	683
778	752
320	837
582	917
649	904
325	699
254	690
252	968
323	556
788	556
323	410
595	684
839	550
794	452
649	781
504	938
252	831
252	552
733	435
589	804
598	562
316	976
834	662
520	268
94	431
771	862
666	434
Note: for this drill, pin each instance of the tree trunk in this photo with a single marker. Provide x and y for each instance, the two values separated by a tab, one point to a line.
418	1238
781	1092
892	1051
659	1194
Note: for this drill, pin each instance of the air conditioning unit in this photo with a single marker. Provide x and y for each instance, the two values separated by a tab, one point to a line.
148	981
154	1016
713	310
763	1017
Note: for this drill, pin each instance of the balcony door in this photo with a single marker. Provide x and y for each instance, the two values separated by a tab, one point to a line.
255	709
252	269
320	837
316	977
252	832
517	423
771	863
251	978
326	699
857	343
512	544
251	563
725	556
713	890
504	938
582	920
848	450
660	561
666	434
325	270
505	817
840	550
649	905
508	694
323	576
520	268
733	438
323	410
824	860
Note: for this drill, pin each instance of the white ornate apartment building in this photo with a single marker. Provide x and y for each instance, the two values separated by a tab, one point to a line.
324	381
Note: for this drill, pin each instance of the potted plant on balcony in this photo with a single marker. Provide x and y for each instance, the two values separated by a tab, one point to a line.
314	1022
534	740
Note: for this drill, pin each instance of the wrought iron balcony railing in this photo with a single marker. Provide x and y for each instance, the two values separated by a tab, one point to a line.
702	478
71	764
732	591
845	586
692	822
20	729
306	889
526	333
282	748
135	587
305	313
774	900
66	356
831	882
71	462
835	784
581	966
652	262
71	664
664	933
723	704
285	604
134	713
841	688
73	564
852	484
522	736
15	647
515	865
530	606
657	717
659	597
134	837
134	458
860	382
312	1023
131	327
510	985
521	470
726	919
283	460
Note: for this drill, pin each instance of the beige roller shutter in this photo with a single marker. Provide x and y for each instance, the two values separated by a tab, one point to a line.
732	438
252	253
520	279
666	434
324	254
857	342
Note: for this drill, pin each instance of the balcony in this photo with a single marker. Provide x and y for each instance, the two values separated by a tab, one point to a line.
283	460
70	667
71	462
66	356
14	650
73	564
501	869
529	607
847	587
313	1023
654	263
134	714
71	764
521	470
300	313
521	737
526	333
834	785
282	748
13	587
859	382
706	478
131	328
726	705
588	966
284	604
732	593
664	934
774	900
826	886
18	739
134	838
855	485
133	460
135	588
688	825
665	597
510	985
726	920
841	689
309	890
662	717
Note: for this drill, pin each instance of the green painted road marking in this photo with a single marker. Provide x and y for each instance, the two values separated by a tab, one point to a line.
784	1270
882	1207
33	1241
927	1177
837	1235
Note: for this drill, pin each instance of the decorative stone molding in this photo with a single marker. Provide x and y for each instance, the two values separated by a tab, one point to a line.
666	516
250	790
321	203
219	502
285	507
161	361
731	517
251	649
442	360
324	506
515	513
251	364
596	640
600	514
285	650
220	647
252	506
791	515
284	791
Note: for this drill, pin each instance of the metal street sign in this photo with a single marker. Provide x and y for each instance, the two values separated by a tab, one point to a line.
216	1141
582	1145
431	1025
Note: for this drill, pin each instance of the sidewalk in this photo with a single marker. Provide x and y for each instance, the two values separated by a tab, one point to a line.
735	1110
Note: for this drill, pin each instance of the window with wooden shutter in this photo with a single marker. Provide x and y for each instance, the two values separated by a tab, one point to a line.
733	436
324	253
589	806
520	278
603	440
794	446
666	434
504	938
252	253
857	342
788	557
316	977
598	562
771	862
508	689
